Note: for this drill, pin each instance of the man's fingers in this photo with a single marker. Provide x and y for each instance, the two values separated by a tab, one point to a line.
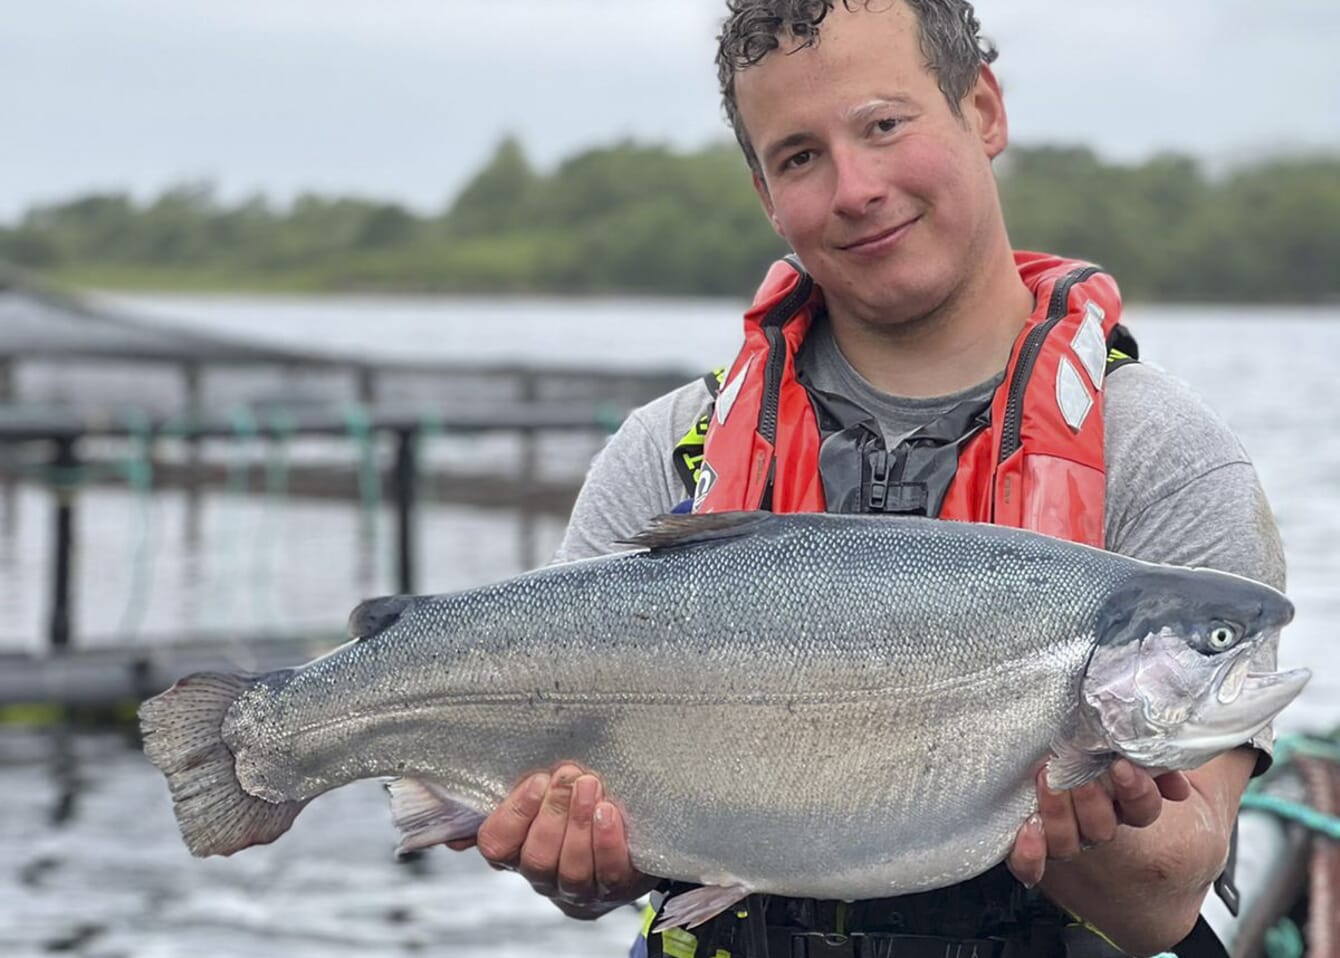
576	861
1028	857
544	841
461	844
503	833
609	845
1058	820
1174	786
1137	796
1096	814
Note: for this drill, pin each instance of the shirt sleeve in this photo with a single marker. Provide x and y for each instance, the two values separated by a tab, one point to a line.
632	479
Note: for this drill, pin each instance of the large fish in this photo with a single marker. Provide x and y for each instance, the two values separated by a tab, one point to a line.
838	707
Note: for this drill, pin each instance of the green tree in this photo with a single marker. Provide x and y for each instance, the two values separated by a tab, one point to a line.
495	200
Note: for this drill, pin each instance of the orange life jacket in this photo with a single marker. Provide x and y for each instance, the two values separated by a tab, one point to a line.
1036	464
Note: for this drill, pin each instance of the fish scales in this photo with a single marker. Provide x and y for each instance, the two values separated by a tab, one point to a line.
673	660
840	707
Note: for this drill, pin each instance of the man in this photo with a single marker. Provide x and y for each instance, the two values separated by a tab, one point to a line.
909	338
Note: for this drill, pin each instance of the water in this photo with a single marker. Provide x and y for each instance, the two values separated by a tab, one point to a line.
90	862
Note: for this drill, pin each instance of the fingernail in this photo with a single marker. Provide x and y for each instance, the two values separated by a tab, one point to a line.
1122	772
584	792
539	784
1042	780
602	815
1034	823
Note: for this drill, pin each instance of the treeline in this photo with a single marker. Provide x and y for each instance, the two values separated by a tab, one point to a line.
646	219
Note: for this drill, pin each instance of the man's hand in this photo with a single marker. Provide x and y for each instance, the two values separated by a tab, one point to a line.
558	830
1068	823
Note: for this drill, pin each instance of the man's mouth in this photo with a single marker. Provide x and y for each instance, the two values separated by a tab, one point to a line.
879	241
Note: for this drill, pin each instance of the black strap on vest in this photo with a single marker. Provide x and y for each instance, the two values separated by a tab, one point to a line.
992	916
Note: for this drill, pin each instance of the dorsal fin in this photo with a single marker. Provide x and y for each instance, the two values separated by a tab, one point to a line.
376	615
671	531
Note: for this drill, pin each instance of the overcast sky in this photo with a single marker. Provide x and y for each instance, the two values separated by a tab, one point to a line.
404	99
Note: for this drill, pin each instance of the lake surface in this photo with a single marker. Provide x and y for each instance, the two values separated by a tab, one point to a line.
90	862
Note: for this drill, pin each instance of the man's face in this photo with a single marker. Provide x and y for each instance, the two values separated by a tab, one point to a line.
885	194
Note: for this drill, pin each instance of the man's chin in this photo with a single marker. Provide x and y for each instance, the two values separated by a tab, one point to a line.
894	304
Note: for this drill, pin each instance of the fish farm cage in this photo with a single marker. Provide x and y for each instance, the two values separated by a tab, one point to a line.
94	397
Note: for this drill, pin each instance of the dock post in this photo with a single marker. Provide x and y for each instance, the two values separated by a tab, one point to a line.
7	392
63	484
406	480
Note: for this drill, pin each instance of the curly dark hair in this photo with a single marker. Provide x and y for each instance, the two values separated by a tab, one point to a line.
950	40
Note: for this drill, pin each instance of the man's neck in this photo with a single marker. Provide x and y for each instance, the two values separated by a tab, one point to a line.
962	344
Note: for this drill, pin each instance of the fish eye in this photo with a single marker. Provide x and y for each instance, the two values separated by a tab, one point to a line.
1223	636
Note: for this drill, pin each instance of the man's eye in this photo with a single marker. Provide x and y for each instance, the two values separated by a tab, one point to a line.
887	125
797	159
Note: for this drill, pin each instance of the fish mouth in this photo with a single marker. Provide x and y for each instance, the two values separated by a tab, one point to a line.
1243	703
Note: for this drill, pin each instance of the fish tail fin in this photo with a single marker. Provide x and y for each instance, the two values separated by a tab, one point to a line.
183	737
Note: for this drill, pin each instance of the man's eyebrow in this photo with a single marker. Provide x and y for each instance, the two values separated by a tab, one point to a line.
859	112
874	106
786	143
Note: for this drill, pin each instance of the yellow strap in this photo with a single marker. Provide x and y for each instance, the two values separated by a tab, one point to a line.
1092	929
678	943
675	942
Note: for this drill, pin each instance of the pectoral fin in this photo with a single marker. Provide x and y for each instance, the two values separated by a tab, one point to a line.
1072	767
426	815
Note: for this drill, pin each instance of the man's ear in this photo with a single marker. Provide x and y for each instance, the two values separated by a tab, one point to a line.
988	106
761	189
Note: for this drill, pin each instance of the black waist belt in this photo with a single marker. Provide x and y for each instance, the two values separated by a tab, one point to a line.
792	943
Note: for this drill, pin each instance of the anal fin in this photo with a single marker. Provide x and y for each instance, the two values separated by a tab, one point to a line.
427	815
692	908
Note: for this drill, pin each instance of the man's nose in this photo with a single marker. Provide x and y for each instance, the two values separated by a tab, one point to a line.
859	186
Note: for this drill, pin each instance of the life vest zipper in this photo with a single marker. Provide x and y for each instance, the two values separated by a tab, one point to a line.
1012	428
772	373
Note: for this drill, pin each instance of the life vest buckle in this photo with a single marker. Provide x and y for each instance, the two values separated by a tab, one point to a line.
887	494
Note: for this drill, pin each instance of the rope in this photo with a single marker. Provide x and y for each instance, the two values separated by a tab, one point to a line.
610	416
272	513
359	425
1328	825
1284	940
236	487
139	472
431	427
1288	748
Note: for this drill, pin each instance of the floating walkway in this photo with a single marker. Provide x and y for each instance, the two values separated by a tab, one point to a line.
104	678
